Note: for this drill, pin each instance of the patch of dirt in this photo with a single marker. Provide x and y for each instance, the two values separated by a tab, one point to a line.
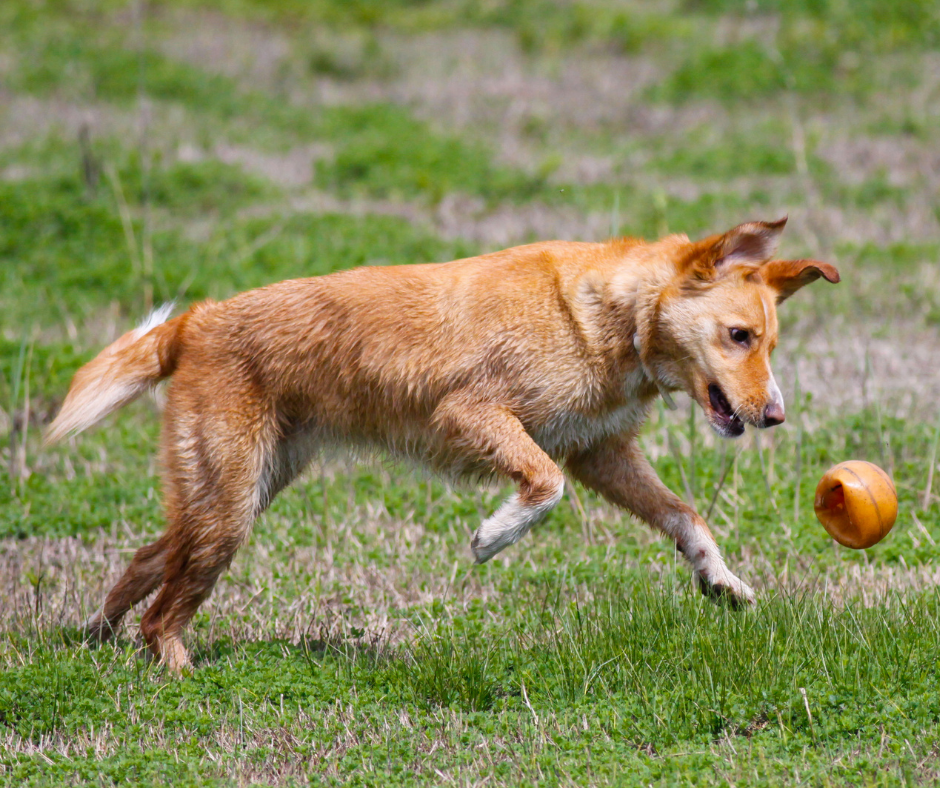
25	118
904	161
319	202
481	78
819	227
526	108
290	170
846	367
459	216
462	80
247	51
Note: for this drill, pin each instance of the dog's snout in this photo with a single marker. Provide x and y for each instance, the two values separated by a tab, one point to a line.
773	415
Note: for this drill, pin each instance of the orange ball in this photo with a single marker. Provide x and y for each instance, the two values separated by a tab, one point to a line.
857	503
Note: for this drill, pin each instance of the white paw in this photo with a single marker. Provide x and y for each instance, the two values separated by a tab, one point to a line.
509	524
721	584
488	541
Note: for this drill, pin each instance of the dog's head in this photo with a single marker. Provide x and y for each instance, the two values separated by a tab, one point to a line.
718	323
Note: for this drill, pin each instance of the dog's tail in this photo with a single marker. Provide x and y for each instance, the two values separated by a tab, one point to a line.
120	373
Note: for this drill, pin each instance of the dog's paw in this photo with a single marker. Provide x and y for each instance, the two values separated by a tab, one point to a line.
484	549
725	588
175	657
97	629
493	537
495	534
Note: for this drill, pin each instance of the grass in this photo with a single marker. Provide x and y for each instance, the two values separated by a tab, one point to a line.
591	690
202	148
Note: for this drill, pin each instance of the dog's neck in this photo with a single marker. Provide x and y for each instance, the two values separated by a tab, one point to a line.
663	391
645	309
621	316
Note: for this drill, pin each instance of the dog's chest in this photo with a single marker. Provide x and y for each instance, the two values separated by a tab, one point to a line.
573	429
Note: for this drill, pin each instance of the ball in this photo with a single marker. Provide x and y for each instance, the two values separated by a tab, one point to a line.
857	503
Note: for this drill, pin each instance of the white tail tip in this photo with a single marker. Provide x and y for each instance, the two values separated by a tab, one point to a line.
159	315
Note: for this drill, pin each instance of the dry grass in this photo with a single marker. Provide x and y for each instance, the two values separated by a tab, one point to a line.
374	573
369	573
846	370
905	162
252	53
290	170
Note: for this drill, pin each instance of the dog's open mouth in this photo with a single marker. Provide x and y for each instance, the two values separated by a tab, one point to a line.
724	418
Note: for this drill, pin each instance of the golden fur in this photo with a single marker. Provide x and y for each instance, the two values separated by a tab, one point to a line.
509	364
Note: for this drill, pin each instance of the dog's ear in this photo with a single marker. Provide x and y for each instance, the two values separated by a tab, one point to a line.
750	243
788	276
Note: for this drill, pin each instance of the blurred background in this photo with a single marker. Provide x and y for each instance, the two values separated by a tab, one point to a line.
152	151
185	149
158	151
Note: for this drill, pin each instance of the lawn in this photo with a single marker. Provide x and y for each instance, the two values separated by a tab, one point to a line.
182	149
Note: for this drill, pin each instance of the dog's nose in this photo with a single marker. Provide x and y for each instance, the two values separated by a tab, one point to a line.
773	415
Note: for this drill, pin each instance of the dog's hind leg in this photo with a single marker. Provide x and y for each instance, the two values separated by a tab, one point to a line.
192	572
488	435
143	575
219	466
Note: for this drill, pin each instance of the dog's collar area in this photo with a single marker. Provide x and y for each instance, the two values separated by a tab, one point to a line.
667	397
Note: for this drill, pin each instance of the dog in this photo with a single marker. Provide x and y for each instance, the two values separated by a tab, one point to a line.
509	365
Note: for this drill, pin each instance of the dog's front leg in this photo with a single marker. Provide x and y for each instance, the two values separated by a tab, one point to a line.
487	435
618	470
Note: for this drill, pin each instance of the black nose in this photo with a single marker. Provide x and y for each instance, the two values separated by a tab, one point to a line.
773	415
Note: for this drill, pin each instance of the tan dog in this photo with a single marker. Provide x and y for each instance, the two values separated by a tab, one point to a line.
501	365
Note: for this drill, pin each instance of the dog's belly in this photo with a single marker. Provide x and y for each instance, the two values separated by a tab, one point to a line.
562	434
392	417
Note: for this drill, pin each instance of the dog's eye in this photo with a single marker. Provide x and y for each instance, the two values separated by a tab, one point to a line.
741	336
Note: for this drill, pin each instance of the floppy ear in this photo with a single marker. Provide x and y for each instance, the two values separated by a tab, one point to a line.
788	276
753	242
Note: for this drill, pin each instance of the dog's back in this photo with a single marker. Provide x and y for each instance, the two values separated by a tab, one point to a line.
367	356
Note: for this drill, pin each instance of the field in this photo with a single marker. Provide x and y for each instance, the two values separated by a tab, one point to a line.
185	149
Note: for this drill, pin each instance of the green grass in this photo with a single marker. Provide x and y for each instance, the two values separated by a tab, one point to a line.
636	681
818	48
386	153
538	26
868	24
353	642
744	157
51	222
